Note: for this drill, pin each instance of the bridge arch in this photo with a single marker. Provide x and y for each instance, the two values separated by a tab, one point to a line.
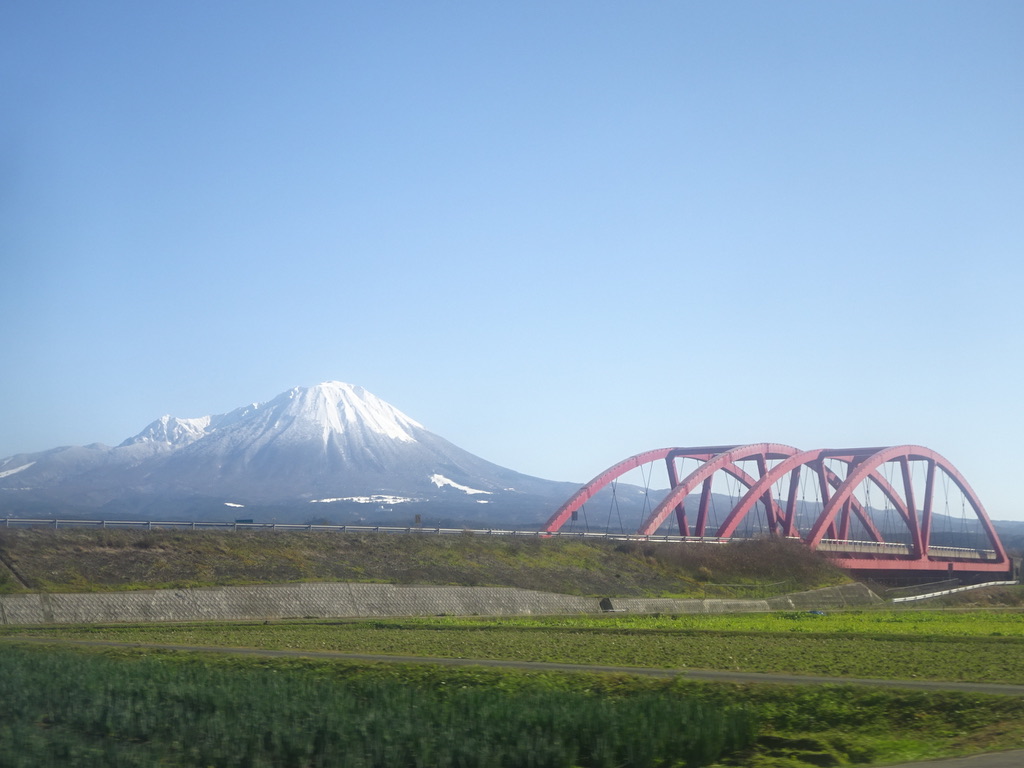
760	452
827	480
919	528
614	472
845	524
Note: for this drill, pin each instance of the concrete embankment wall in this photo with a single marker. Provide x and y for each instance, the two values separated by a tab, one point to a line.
831	598
337	600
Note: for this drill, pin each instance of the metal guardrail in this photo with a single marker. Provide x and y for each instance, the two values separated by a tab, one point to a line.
955	590
910	590
826	545
16	522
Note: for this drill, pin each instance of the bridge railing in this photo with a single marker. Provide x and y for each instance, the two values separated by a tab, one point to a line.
897	548
962	553
864	547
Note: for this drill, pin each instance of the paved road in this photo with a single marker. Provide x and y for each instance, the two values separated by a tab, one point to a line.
1013	759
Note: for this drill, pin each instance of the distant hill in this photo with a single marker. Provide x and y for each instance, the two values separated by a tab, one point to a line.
332	452
1011	533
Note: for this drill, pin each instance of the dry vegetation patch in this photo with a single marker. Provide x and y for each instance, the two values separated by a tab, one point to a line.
112	559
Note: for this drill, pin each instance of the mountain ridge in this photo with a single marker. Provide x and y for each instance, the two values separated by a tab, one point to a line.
333	441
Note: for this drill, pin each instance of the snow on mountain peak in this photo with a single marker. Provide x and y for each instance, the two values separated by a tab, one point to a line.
336	406
170	430
330	408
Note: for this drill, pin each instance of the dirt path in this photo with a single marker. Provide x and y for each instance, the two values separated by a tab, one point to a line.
1014	759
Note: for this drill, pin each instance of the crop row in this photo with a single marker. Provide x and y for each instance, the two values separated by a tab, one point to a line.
808	725
61	708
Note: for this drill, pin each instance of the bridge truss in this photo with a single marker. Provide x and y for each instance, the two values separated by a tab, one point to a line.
899	508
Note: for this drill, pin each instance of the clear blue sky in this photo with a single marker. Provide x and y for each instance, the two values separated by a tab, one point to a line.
555	233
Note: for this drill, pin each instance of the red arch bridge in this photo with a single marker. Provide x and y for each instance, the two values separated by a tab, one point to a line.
895	509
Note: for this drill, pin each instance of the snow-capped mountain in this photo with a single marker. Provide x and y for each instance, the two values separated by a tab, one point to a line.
171	431
330	451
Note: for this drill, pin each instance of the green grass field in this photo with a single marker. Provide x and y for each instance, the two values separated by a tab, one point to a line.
132	707
974	647
881	622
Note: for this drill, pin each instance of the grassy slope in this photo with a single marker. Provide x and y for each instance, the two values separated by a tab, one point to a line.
82	559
